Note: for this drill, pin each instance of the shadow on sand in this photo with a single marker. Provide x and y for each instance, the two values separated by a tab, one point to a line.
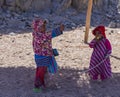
18	82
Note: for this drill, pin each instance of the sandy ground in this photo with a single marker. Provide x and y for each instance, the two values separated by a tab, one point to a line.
17	67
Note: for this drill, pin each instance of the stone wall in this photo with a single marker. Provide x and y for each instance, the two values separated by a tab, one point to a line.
25	5
61	5
68	11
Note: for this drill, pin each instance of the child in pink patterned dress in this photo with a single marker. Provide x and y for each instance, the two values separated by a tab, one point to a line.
42	46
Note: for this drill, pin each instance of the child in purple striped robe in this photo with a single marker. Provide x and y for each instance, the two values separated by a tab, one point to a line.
101	50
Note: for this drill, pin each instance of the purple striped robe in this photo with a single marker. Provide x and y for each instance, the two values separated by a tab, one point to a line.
101	49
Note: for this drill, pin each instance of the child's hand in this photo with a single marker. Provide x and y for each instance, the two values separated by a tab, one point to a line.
62	27
86	43
99	37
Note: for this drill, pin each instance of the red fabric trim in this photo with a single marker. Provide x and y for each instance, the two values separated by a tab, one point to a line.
101	29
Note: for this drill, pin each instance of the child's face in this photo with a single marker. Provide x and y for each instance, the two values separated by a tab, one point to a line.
98	34
62	27
43	27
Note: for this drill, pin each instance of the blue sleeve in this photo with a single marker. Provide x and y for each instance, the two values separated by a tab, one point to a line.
56	32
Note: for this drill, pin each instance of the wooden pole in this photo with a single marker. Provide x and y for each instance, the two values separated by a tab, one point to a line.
88	18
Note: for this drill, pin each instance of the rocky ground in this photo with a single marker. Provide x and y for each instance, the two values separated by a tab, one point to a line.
17	67
11	21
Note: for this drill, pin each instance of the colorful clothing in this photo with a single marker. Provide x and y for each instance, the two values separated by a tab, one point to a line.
101	49
42	42
44	58
101	29
48	61
39	76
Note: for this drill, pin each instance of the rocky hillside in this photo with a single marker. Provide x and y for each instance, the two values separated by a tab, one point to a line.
24	5
19	13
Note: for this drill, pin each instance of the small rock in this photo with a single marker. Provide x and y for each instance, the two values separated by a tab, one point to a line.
28	53
112	31
15	14
27	24
73	24
109	16
23	19
73	28
18	31
22	27
12	33
118	32
64	5
36	15
118	25
13	40
112	25
8	16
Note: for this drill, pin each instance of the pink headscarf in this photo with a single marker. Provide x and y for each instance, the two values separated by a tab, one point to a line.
37	23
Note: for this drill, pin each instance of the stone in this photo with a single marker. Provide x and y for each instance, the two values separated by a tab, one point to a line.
112	25
79	4
11	4
27	24
16	24
112	31
111	6
36	15
25	5
1	3
118	7
64	5
8	15
57	19
40	4
73	28
12	34
73	24
118	32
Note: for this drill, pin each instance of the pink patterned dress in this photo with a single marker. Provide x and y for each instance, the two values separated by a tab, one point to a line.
42	47
42	43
